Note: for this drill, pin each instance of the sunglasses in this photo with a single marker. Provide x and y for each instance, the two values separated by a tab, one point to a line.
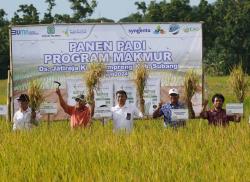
175	95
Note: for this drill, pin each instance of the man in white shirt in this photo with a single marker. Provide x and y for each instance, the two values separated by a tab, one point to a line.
123	114
24	118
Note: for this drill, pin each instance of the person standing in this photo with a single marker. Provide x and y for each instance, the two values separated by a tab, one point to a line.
123	114
80	114
217	115
165	109
24	118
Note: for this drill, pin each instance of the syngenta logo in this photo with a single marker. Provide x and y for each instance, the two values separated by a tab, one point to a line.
51	29
24	32
174	29
138	30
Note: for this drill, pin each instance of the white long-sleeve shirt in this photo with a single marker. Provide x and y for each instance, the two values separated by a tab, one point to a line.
123	117
22	119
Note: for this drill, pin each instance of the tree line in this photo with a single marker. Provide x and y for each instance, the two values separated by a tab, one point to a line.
226	27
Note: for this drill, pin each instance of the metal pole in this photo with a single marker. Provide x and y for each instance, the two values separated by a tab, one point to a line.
8	98
202	66
10	81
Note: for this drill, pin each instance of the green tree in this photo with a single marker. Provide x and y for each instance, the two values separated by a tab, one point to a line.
48	18
63	18
82	9
135	17
176	10
4	45
99	20
231	39
26	14
141	6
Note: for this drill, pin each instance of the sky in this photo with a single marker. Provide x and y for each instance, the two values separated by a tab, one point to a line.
112	9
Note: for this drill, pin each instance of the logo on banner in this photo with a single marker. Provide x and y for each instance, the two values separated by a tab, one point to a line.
24	32
159	30
51	32
69	32
139	30
174	29
51	29
191	29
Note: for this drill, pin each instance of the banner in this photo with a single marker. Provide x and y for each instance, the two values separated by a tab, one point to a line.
49	53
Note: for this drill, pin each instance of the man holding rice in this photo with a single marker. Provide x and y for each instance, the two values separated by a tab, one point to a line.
24	118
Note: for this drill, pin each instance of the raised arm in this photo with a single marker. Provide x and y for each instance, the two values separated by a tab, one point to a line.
156	113
62	102
203	113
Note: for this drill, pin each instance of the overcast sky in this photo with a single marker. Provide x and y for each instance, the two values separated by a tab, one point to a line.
112	9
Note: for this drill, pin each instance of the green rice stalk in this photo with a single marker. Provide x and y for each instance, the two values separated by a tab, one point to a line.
92	77
35	94
191	84
239	83
141	74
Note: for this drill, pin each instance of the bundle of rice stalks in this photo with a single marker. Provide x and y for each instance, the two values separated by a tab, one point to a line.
239	83
140	75
92	77
35	94
191	84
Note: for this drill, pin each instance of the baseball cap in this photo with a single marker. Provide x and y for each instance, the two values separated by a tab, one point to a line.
173	91
23	97
79	97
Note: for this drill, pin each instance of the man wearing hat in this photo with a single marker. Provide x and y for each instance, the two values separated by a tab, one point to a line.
24	118
165	109
80	114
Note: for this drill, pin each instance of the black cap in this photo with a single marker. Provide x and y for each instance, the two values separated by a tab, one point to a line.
23	97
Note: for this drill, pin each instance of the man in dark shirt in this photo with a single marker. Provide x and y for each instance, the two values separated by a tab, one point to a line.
217	115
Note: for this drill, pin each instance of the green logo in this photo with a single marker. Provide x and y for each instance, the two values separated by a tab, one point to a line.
51	29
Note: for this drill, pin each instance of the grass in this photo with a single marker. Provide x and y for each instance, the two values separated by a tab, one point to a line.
197	152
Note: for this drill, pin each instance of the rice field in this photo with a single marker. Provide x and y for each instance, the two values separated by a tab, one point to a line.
3	91
197	152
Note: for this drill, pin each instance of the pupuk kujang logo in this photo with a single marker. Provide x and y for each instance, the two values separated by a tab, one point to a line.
51	32
174	29
159	30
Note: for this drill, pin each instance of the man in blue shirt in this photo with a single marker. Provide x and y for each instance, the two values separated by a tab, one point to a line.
166	109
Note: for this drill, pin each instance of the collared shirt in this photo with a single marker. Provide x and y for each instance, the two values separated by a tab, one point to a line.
22	119
217	117
166	111
123	117
78	117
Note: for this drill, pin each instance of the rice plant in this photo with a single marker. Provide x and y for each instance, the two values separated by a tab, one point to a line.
141	74
36	94
191	84
239	82
92	77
